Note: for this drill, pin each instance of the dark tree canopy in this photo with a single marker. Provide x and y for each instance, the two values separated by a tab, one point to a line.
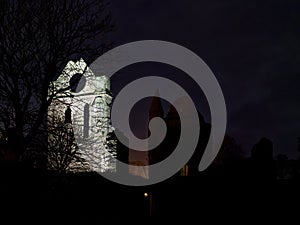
37	39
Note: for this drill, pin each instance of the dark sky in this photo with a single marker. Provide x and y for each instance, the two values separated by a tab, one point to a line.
251	46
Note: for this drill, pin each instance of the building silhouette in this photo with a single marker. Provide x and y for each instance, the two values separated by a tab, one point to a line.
173	134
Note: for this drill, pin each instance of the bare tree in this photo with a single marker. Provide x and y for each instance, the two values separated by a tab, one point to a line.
37	39
78	122
62	148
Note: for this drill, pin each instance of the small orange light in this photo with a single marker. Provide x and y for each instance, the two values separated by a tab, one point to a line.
145	194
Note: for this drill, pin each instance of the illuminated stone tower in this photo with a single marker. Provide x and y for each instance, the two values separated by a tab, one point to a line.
87	98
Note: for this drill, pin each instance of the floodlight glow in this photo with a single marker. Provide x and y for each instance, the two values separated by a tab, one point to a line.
90	113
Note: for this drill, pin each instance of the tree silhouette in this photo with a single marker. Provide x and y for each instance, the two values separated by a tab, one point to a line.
62	150
262	159
230	151
37	39
84	117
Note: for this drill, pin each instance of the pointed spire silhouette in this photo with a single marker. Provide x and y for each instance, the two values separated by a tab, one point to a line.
156	108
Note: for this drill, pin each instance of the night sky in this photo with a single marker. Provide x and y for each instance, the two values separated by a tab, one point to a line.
251	46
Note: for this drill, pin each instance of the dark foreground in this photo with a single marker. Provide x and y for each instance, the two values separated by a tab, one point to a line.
40	197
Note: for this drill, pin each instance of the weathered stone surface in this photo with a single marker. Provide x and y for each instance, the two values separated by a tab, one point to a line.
90	117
